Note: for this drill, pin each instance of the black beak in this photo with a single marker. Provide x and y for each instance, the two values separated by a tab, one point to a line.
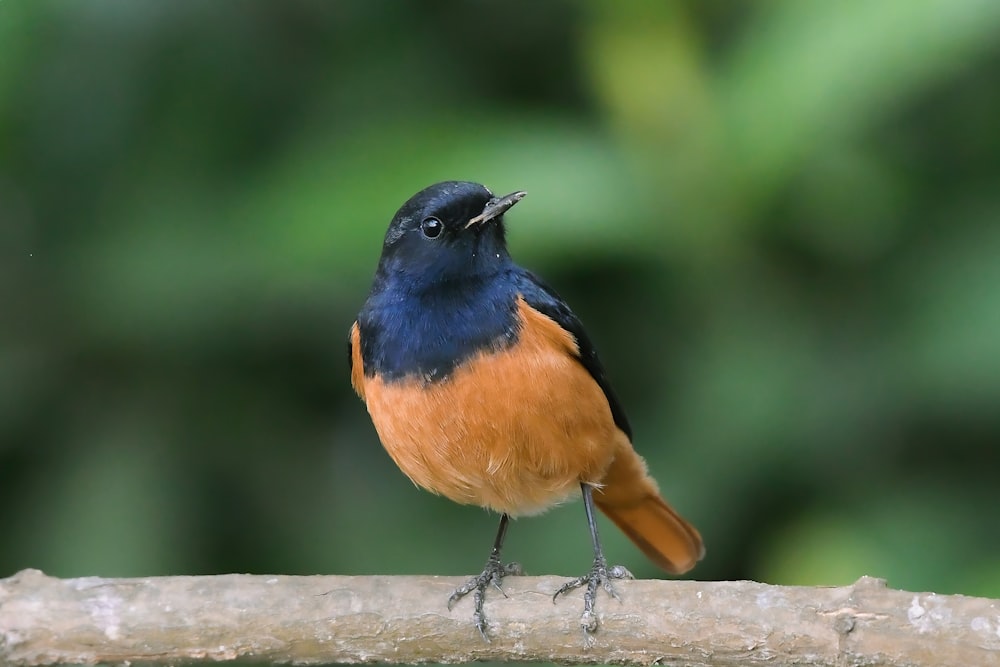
495	208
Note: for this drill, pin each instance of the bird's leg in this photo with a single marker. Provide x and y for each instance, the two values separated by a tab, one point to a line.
600	574
492	574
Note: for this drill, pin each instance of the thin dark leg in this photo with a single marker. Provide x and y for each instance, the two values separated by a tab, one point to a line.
501	534
588	507
493	573
600	574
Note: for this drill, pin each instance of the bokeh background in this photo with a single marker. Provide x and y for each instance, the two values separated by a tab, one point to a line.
780	222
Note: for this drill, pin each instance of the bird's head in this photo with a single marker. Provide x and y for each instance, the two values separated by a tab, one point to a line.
446	232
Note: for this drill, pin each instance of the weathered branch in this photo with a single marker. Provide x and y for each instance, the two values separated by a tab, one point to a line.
325	619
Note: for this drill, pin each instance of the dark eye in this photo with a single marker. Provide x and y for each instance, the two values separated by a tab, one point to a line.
431	227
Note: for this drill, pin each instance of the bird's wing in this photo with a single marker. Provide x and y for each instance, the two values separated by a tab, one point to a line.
545	300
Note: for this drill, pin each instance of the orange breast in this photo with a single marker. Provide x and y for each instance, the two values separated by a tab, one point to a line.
515	431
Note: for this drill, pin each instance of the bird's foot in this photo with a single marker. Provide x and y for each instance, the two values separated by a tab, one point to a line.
600	575
492	575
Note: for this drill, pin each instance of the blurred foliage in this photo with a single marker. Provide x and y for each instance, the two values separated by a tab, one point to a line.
779	221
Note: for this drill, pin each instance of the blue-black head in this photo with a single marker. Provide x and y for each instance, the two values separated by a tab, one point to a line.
451	231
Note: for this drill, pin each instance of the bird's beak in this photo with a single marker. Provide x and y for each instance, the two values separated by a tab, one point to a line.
495	208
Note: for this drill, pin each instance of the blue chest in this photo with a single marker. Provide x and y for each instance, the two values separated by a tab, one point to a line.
427	334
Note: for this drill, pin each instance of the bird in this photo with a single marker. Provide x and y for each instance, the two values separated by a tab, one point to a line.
484	387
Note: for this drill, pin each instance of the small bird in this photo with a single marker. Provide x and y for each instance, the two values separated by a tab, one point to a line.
484	388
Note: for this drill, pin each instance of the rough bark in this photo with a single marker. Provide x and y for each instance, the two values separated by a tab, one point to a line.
327	619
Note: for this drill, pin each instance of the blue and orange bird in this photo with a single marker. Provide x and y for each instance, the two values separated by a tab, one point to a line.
484	387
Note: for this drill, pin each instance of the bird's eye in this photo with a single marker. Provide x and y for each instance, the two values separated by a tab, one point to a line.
431	227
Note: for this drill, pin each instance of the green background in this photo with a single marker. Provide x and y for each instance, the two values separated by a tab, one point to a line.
780	222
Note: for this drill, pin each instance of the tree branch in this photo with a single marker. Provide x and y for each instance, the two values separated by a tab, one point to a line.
326	619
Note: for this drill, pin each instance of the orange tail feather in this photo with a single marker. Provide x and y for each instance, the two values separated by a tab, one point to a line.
629	497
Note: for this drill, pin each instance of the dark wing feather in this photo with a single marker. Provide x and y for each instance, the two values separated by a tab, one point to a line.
545	300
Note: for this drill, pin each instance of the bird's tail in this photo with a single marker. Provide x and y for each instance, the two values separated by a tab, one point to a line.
629	497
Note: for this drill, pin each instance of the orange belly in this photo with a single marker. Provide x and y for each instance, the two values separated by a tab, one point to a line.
515	431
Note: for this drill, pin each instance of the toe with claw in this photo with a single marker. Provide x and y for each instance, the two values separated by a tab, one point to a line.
492	575
600	576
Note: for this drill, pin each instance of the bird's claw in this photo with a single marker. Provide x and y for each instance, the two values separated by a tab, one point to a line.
492	575
600	575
